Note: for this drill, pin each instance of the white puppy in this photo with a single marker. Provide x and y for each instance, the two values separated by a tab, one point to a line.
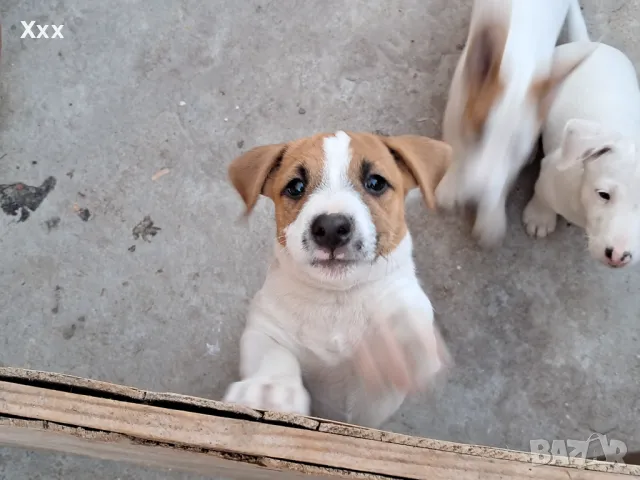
591	172
498	98
341	302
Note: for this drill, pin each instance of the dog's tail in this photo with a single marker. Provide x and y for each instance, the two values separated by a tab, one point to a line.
576	25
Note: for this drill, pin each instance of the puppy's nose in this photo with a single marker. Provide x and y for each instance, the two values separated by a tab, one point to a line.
331	230
616	258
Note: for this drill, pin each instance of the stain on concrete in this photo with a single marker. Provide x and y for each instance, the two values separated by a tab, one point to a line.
52	223
145	229
56	295
132	248
240	143
84	214
19	198
69	332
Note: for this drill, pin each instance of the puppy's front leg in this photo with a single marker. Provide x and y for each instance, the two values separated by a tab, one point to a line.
538	217
271	377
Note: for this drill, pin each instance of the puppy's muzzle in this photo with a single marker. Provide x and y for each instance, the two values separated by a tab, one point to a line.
617	259
331	231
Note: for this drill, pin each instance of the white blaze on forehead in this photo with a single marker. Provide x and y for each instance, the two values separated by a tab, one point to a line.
337	157
335	194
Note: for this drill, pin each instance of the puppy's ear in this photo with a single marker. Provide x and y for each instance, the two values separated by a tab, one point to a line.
250	173
581	140
482	74
563	64
423	162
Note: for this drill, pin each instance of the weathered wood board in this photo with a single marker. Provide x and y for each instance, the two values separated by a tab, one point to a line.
68	414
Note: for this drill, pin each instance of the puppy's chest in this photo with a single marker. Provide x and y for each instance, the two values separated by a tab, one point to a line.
323	326
330	330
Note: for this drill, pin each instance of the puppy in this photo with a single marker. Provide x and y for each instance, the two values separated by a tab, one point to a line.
498	98
341	326
591	171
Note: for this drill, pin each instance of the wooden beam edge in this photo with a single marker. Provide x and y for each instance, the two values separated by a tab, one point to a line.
49	436
65	382
177	402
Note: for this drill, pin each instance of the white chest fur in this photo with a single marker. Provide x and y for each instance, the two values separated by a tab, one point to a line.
323	323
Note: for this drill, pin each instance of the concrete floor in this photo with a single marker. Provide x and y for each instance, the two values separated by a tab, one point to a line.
545	340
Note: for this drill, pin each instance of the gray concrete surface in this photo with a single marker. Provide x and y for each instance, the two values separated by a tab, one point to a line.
545	340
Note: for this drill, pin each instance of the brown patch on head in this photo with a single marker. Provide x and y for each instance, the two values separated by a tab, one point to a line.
482	73
369	157
270	169
404	162
303	160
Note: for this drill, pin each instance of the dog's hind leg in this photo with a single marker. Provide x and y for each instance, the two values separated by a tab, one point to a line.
490	225
446	192
576	26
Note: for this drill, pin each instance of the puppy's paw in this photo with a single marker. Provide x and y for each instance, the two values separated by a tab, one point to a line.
447	193
539	220
401	352
490	230
275	394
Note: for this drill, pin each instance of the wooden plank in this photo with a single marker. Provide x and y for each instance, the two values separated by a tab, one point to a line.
298	450
110	446
58	380
154	398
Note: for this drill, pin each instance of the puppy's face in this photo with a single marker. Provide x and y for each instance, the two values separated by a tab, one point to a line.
339	198
609	193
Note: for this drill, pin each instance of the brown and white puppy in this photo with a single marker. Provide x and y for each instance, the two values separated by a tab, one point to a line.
500	93
341	326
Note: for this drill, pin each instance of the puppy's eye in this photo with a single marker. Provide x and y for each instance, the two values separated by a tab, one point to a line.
604	195
294	189
375	184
